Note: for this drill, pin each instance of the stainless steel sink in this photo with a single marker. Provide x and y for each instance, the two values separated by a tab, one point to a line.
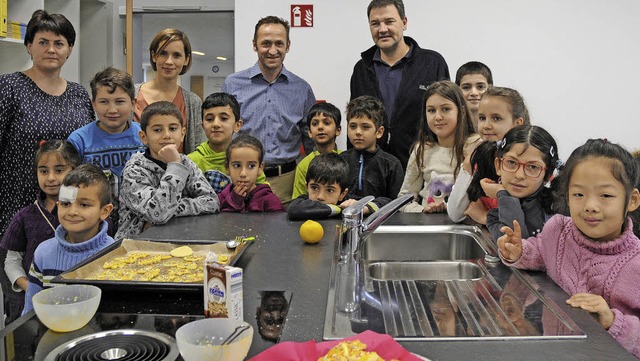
426	271
423	283
427	253
427	243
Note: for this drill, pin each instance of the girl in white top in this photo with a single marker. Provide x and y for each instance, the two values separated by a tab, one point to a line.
500	110
445	137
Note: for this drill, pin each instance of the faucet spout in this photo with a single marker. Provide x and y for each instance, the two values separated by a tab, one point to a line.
377	218
352	226
356	208
356	230
354	233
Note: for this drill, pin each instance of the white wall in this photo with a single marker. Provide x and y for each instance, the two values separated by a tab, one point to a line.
573	61
96	25
212	81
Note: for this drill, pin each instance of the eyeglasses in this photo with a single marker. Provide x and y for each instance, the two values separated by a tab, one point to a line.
532	170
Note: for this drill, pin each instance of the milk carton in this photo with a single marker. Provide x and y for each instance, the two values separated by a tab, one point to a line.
222	290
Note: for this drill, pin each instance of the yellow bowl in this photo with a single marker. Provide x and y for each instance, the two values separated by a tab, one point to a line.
67	308
200	340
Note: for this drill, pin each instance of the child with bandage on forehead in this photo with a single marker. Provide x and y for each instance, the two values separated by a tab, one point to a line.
84	204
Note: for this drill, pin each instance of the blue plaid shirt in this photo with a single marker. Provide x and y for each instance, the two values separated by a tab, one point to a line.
275	113
218	180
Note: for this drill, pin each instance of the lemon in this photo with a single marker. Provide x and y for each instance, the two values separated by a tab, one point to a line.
311	231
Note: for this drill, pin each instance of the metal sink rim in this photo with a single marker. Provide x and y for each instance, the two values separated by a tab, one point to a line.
429	265
480	236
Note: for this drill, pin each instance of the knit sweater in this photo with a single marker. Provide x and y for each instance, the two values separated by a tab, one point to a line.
436	160
260	199
56	255
155	192
28	228
580	265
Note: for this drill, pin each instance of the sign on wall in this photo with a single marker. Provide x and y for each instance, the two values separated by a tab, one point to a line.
302	16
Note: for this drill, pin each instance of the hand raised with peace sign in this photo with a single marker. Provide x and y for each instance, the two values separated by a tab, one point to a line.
510	244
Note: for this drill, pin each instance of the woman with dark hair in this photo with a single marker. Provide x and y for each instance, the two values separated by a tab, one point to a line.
170	55
37	104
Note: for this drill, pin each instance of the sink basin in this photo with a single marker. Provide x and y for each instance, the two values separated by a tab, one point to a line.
428	253
426	243
426	271
423	283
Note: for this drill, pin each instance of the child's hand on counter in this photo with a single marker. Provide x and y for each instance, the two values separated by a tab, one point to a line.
594	304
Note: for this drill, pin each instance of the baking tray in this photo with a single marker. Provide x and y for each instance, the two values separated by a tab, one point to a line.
79	273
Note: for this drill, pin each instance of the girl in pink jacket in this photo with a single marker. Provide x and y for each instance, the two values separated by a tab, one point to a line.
593	254
244	162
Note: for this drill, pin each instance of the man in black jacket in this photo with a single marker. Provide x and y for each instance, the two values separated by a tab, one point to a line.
397	71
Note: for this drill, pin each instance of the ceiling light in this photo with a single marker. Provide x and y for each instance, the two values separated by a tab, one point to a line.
197	52
221	58
171	8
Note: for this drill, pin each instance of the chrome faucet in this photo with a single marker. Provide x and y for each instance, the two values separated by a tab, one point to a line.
355	232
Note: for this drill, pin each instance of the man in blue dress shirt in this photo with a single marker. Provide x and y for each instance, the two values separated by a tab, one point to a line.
273	104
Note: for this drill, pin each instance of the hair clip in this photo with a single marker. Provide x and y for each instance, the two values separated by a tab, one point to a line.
501	143
41	143
551	151
559	164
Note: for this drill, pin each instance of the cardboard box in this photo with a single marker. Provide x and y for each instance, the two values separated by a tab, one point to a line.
222	290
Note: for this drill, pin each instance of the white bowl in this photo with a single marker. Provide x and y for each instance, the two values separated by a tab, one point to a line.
200	340
67	308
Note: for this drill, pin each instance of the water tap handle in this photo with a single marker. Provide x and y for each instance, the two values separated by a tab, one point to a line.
356	209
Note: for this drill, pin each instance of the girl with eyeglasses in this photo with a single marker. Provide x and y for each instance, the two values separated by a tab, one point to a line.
525	160
592	254
500	110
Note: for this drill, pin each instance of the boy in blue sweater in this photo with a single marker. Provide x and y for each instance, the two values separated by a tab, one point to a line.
84	203
109	141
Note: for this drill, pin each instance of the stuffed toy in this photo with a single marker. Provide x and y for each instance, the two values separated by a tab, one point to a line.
439	187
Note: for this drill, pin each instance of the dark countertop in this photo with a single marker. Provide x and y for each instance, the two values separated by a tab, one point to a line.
279	260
